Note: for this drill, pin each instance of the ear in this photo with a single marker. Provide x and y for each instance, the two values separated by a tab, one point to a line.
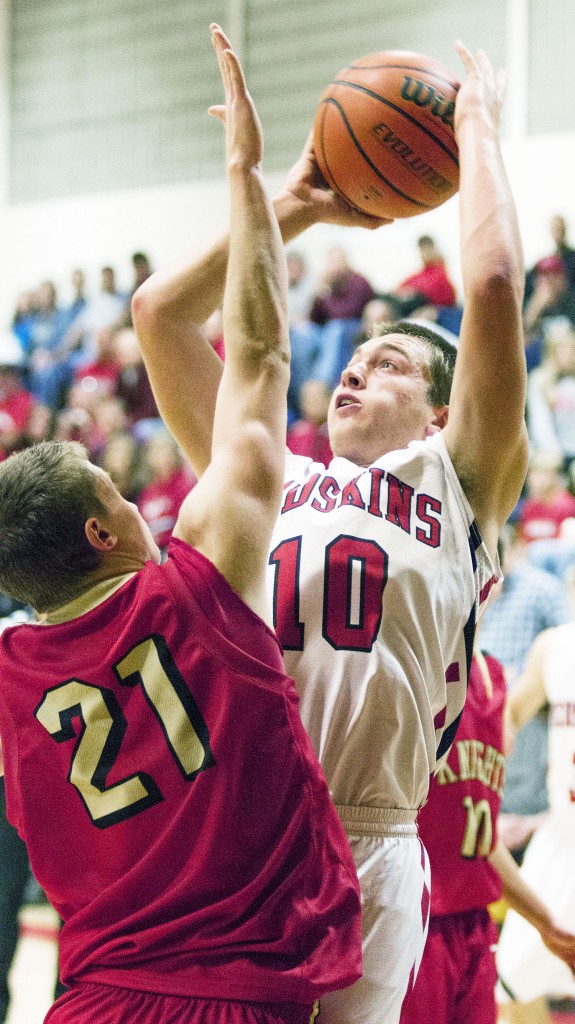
438	420
98	536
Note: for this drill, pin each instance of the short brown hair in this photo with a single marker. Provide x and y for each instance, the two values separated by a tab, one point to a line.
47	493
442	356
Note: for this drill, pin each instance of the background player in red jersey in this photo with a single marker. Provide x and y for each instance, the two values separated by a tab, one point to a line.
471	868
156	765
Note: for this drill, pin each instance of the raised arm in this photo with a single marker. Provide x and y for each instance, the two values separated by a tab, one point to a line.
486	433
170	308
230	514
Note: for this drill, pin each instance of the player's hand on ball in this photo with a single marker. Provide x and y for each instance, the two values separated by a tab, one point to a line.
482	91
306	183
244	139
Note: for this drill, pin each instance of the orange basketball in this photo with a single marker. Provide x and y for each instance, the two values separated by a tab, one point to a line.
383	134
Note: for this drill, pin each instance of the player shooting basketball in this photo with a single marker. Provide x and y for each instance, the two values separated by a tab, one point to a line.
379	565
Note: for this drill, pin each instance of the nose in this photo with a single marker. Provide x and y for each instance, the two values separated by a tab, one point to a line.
354	376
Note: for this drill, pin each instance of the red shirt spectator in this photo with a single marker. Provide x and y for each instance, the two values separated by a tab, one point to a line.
160	500
548	502
309	435
16	402
308	439
345	291
432	281
103	373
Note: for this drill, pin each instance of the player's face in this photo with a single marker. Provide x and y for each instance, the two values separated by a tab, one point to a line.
134	537
381	403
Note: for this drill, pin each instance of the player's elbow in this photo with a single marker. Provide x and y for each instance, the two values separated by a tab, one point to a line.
500	280
145	308
260	452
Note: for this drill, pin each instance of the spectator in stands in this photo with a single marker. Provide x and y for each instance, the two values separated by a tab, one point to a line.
101	310
558	231
547	515
22	320
108	419
336	314
122	459
550	299
91	419
429	286
381	309
79	299
39	427
46	330
548	502
16	402
309	435
142	270
551	393
300	289
169	481
134	388
102	374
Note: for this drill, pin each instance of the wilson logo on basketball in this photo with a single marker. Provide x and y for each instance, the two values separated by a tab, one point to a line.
424	95
394	144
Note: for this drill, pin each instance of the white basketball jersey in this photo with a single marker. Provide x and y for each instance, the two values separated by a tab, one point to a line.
559	680
377	576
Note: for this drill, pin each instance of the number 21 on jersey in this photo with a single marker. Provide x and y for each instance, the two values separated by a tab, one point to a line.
102	725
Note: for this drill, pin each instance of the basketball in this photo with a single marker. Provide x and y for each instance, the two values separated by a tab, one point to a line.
383	134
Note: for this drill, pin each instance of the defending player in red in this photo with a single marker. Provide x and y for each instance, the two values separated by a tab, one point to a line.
156	765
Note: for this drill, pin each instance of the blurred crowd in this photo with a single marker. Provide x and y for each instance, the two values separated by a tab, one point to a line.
75	372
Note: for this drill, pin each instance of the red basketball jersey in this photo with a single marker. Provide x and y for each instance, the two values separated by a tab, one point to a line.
458	824
174	811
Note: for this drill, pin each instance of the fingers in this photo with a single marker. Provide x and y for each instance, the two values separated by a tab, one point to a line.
235	71
230	67
480	64
500	84
218	43
465	56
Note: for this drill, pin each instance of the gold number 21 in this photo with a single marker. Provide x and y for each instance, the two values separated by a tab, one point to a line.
92	715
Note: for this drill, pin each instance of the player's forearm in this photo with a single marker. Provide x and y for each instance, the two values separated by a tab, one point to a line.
516	892
491	251
187	290
255	303
192	287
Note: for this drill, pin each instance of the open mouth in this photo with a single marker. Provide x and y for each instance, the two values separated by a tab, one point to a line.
344	400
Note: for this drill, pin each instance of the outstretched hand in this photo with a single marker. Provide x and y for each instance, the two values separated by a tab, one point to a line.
307	185
561	943
483	89
244	139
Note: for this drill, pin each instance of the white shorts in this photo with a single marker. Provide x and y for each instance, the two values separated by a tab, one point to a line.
526	967
394	878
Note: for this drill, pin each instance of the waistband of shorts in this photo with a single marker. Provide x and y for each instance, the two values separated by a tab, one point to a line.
280	1012
386	822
